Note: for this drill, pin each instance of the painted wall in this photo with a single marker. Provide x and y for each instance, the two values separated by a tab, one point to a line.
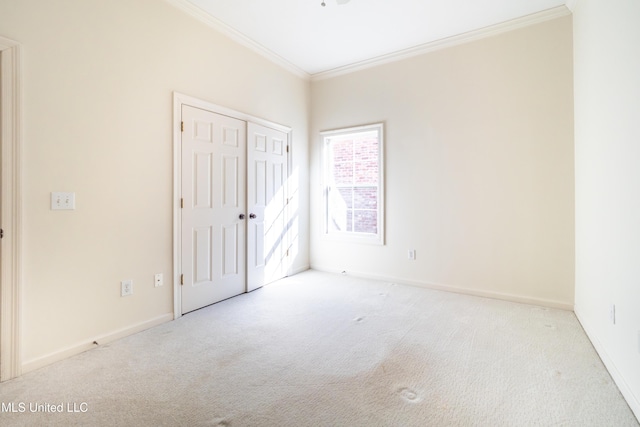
98	79
479	166
607	150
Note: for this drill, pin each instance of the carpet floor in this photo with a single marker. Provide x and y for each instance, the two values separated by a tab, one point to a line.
318	349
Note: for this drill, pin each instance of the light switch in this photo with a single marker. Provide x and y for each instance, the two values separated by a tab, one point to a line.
63	201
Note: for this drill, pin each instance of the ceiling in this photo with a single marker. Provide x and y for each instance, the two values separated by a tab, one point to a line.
314	39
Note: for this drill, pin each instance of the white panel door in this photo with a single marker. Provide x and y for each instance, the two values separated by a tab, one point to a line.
266	195
214	202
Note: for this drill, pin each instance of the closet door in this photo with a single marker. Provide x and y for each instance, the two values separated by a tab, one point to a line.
213	239
266	195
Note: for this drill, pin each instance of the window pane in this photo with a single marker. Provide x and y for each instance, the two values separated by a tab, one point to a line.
366	172
343	173
366	148
337	220
365	198
342	150
347	196
366	222
337	209
341	221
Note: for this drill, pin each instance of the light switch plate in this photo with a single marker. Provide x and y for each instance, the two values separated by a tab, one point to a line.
63	201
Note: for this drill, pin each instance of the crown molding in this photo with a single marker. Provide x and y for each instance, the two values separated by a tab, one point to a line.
492	30
235	35
571	5
525	21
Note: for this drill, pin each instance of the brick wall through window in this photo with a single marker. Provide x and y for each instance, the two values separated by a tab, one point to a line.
353	183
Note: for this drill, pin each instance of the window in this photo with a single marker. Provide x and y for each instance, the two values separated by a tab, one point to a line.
353	183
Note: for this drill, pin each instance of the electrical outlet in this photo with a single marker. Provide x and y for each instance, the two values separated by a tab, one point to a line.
612	314
412	254
158	280
126	288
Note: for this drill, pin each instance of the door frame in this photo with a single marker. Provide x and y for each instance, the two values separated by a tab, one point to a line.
179	100
11	194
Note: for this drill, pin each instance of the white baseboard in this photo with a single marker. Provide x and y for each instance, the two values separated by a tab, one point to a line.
39	362
456	289
299	270
618	378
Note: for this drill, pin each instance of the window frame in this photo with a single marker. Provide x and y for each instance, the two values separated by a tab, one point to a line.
352	236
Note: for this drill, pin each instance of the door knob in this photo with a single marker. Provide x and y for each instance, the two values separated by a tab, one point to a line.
252	216
241	216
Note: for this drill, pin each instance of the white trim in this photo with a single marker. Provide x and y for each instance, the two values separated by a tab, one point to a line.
492	30
455	289
179	100
571	5
235	35
11	214
289	214
299	270
618	378
39	362
514	24
177	214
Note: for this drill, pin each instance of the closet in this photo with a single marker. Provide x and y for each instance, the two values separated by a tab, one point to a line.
233	199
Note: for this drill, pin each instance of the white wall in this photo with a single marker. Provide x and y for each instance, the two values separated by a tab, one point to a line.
479	166
607	154
98	78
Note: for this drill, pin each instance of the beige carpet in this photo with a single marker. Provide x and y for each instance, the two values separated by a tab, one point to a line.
324	350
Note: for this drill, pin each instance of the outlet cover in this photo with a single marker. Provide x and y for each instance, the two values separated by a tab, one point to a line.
158	280
126	288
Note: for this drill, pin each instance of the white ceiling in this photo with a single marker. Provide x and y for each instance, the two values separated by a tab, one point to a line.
317	39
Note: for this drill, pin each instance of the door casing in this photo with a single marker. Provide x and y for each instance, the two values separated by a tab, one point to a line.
179	100
11	214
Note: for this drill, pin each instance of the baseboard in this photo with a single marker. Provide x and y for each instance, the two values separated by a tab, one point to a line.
456	289
618	378
299	270
39	362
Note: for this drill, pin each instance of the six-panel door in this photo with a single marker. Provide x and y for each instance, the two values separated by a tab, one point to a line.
214	198
266	194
